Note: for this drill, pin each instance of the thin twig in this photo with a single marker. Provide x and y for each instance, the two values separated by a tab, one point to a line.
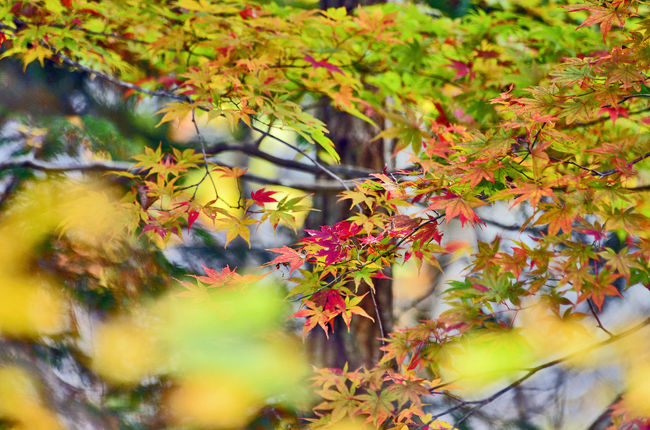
530	372
607	118
631	96
205	157
532	145
253	150
117	81
595	314
188	99
112	166
381	325
599	173
303	153
78	28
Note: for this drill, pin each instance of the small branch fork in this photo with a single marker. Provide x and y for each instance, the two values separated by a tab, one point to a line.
205	160
167	94
188	99
599	324
478	404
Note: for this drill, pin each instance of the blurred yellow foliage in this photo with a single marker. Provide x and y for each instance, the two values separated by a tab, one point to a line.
350	424
489	356
226	354
21	403
126	351
551	337
30	306
484	358
637	397
31	303
213	400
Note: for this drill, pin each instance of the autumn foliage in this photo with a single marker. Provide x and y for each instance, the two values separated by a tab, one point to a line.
526	122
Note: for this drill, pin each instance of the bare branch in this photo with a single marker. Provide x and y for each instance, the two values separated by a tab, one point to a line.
595	314
303	153
205	158
252	150
606	172
477	404
632	96
116	166
46	166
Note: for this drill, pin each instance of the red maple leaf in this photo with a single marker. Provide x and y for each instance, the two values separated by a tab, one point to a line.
287	256
333	240
455	206
322	63
191	217
428	232
331	300
442	117
614	112
315	315
262	196
462	69
249	12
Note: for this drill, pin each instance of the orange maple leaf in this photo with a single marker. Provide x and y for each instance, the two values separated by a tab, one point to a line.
287	256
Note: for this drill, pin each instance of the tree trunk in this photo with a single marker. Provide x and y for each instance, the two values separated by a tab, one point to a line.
361	346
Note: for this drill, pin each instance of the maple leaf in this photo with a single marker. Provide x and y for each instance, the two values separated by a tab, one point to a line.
378	406
462	69
442	116
249	12
352	307
287	256
532	193
614	112
315	315
604	16
332	240
227	172
477	173
191	217
261	196
487	54
322	63
235	227
598	297
455	206
330	299
427	233
559	217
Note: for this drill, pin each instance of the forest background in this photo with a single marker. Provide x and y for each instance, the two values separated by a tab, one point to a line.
447	199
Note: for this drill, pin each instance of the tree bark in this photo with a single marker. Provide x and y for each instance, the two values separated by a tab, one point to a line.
361	346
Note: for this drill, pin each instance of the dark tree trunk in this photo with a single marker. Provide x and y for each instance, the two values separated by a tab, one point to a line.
361	346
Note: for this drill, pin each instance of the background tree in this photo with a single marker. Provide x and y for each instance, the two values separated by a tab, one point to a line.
418	121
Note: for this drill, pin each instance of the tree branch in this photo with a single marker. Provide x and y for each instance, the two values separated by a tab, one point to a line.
300	151
253	151
116	166
606	172
595	314
477	404
64	59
